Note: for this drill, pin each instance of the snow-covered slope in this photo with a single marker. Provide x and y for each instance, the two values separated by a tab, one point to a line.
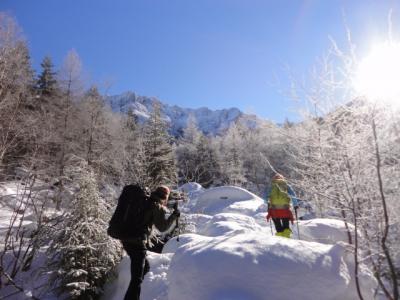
232	255
17	218
208	121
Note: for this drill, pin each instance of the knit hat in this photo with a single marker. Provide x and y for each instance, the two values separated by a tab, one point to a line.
278	176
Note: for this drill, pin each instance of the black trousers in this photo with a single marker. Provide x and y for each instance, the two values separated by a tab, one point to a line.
281	224
139	267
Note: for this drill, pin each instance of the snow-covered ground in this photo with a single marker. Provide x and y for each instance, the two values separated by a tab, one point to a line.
21	202
232	255
20	205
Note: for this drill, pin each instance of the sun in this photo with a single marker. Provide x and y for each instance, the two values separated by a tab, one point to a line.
378	74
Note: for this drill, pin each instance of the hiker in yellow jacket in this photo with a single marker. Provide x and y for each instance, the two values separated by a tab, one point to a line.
278	198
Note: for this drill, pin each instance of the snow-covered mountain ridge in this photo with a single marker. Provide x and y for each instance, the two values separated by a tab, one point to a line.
209	121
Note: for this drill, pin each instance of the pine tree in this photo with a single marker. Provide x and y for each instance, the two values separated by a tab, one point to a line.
158	150
46	84
196	157
82	254
48	105
206	164
135	162
186	152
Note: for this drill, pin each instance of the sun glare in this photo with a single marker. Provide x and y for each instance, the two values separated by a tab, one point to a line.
378	75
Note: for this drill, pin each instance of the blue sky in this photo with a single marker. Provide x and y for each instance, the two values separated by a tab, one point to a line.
214	53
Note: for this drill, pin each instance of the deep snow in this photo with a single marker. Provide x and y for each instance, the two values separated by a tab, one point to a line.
13	201
232	255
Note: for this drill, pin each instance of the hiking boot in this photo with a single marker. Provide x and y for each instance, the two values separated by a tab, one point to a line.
287	233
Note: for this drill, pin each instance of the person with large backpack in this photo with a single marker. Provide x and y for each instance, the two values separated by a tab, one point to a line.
133	220
279	197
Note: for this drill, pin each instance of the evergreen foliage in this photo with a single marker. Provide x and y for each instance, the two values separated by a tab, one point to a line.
47	83
197	159
160	164
82	253
206	163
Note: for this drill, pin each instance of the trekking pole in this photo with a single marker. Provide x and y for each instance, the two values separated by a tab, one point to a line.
270	225
177	221
297	222
179	229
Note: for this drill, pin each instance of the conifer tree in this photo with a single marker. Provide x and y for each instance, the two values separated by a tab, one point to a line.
135	162
82	254
186	152
48	105
196	157
206	164
46	84
158	150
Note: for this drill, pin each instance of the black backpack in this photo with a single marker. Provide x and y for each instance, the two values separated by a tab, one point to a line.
128	221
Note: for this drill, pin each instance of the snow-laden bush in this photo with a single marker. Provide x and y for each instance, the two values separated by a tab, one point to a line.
82	254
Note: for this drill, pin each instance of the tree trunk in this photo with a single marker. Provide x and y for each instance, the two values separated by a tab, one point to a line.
385	248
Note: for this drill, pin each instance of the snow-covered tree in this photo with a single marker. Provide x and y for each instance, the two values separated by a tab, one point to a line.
258	143
17	121
196	159
232	159
94	138
46	84
158	150
134	161
208	170
70	78
82	254
346	164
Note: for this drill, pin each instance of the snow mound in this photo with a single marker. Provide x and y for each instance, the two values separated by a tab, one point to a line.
326	231
229	224
233	255
193	190
249	207
247	267
186	239
117	288
191	187
196	222
225	198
